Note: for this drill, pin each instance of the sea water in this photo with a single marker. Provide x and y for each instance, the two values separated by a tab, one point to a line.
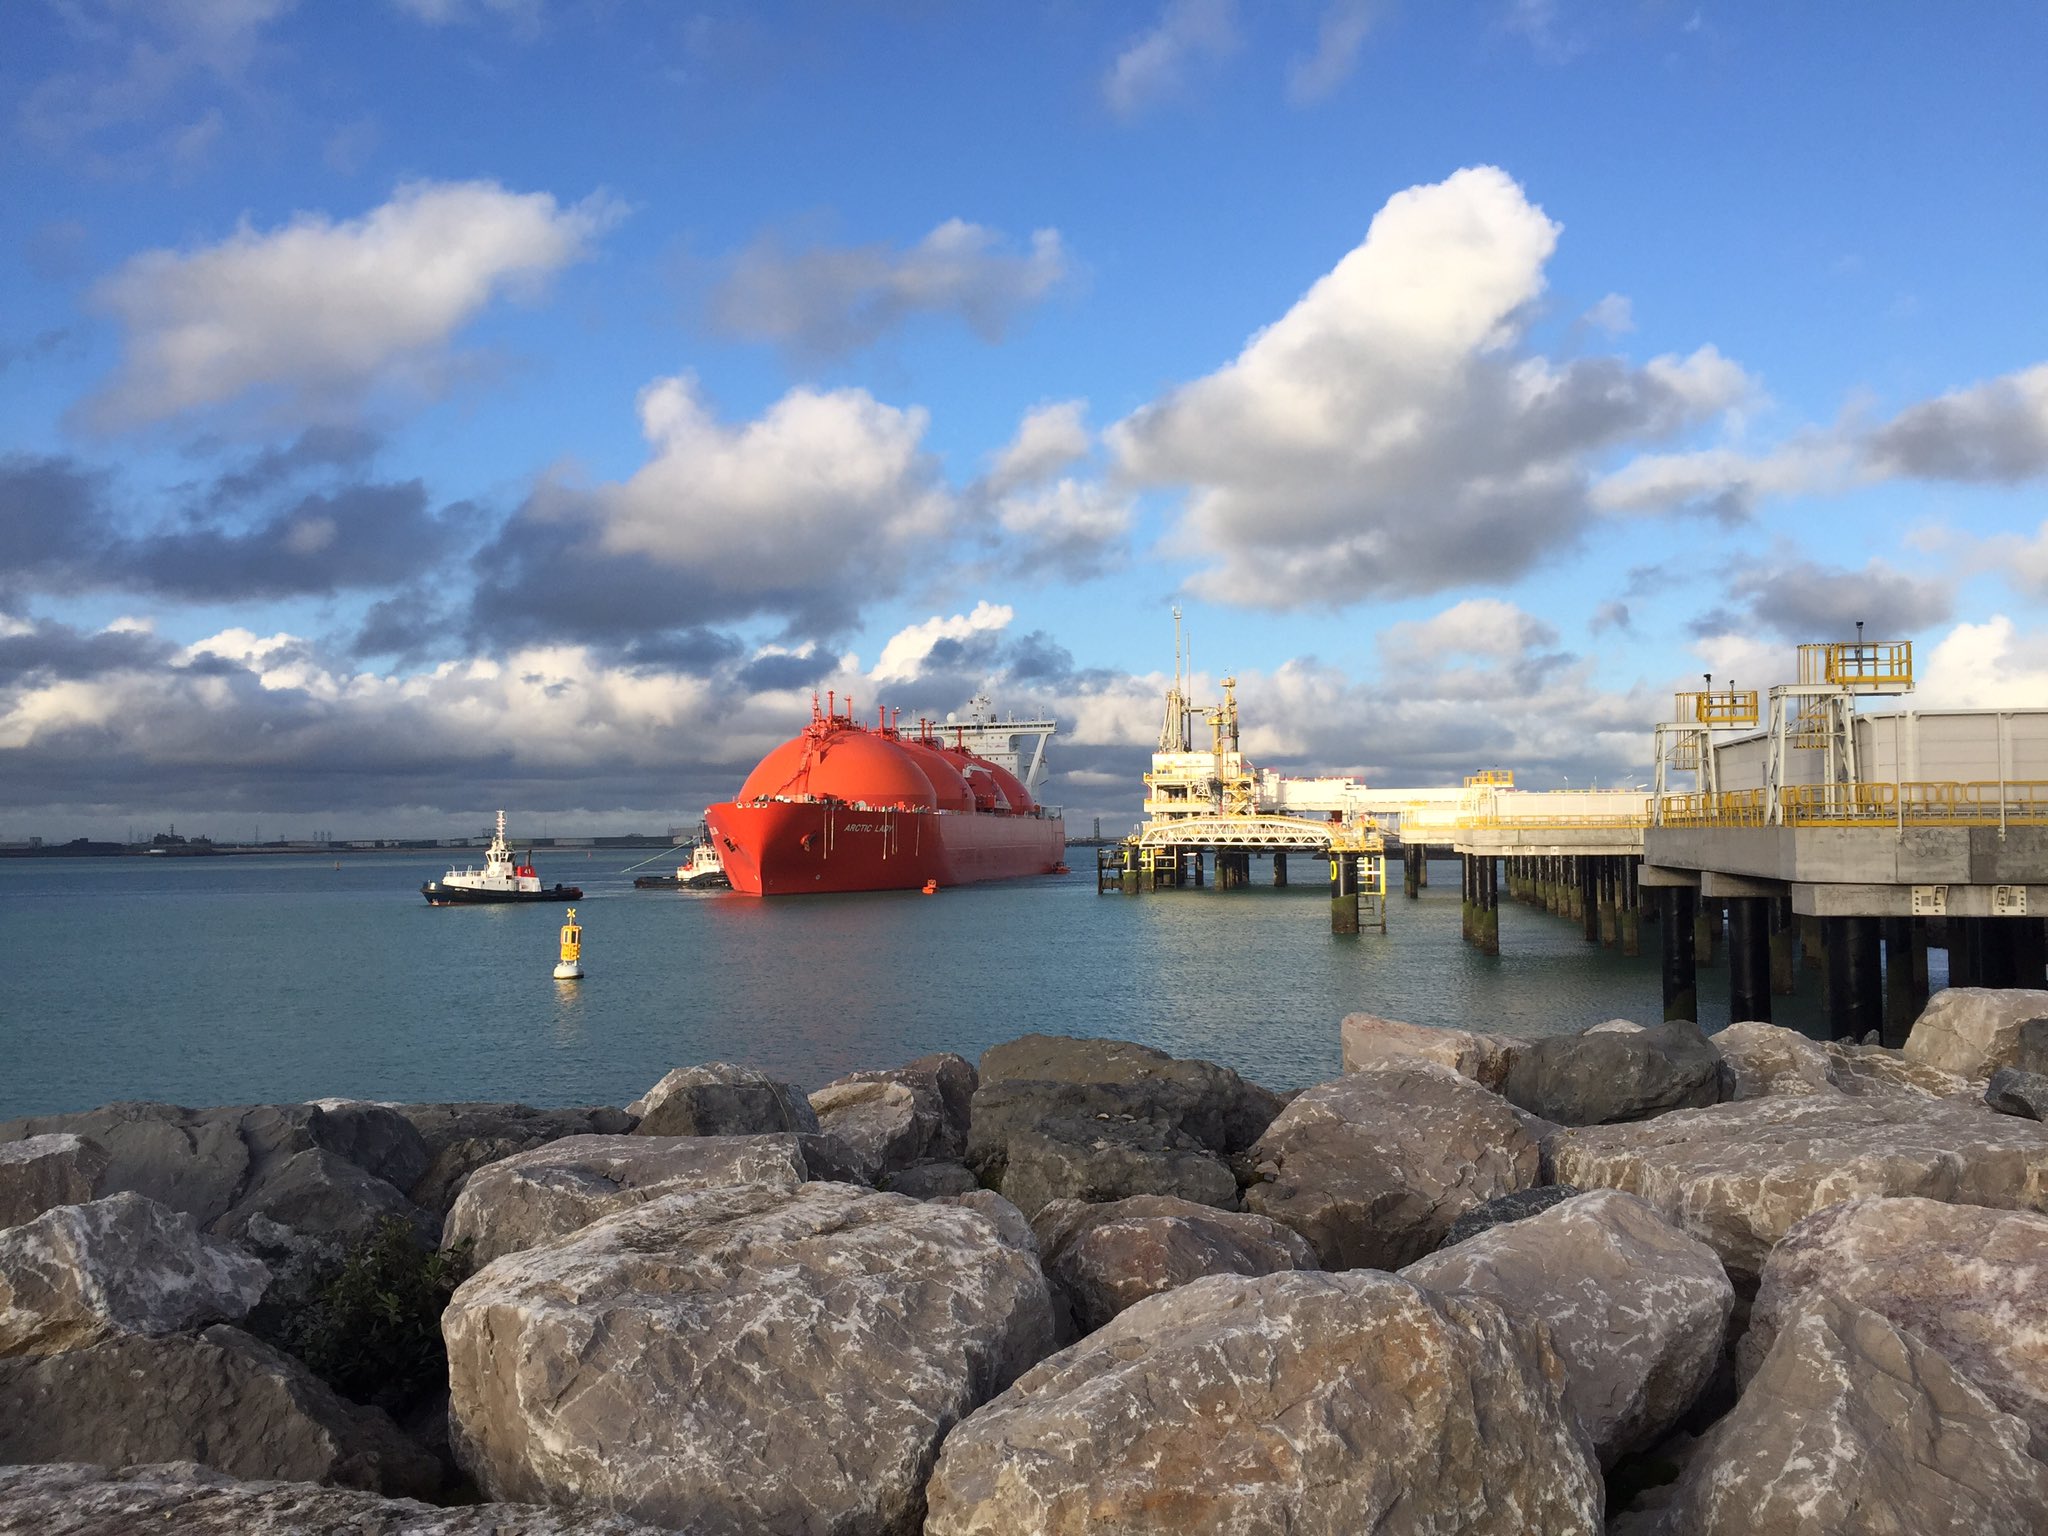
276	979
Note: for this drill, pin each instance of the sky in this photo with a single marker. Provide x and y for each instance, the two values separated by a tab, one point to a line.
412	407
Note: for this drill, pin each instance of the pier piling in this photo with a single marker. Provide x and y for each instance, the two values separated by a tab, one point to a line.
1905	977
1855	997
1681	982
1749	959
1343	893
1279	868
1784	946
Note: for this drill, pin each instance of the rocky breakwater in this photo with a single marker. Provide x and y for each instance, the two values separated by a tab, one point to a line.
1634	1280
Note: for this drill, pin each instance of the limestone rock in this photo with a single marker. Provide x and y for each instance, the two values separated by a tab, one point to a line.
1108	1157
44	1171
1305	1403
1737	1176
1102	1259
956	1079
1636	1308
1373	1168
1854	1427
1599	1078
1211	1103
889	1123
2013	1092
1011	1224
1973	1031
219	1397
1519	1206
721	1099
122	1265
926	1181
535	1197
823	1339
319	1196
460	1138
378	1138
1969	1282
1765	1061
1616	1027
225	1166
2032	1053
1371	1042
183	1499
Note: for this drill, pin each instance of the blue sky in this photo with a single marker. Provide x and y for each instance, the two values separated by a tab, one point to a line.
417	405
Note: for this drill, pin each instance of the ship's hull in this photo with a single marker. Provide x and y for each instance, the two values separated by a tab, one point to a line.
789	848
439	895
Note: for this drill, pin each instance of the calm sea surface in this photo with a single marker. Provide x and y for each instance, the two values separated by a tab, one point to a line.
253	979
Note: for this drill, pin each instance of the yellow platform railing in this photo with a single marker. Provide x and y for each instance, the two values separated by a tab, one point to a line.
1914	803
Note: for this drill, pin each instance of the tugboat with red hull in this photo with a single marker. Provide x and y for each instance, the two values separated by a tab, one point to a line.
501	880
848	807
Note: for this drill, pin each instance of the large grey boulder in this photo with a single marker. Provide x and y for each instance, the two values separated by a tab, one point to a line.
1973	1031
320	1199
1373	1168
460	1138
2031	1052
1107	1157
44	1171
1305	1403
1737	1176
123	1265
721	1098
1211	1103
2014	1092
1103	1259
537	1196
184	1499
1760	1061
1969	1282
218	1397
225	1167
1605	1076
1855	1427
747	1359
914	1113
1370	1042
1636	1309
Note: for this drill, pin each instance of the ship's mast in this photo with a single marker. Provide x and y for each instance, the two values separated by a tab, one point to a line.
499	853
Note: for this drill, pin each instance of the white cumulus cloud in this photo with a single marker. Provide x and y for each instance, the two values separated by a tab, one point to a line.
904	654
1388	434
308	318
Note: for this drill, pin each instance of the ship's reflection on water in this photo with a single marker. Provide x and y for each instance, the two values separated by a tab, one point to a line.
241	980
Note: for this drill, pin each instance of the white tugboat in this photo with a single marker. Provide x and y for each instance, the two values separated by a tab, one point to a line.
502	879
704	872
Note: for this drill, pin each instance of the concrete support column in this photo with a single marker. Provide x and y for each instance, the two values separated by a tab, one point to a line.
1128	875
1631	909
1589	899
1707	932
1199	859
1489	906
1280	867
1905	977
1610	902
1343	893
1681	984
1784	946
1422	868
1811	944
1468	871
1855	987
2029	951
1749	959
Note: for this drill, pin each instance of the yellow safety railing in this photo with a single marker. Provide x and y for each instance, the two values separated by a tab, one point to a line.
1858	663
1721	708
1914	803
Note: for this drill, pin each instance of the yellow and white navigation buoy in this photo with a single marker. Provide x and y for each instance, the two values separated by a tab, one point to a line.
571	966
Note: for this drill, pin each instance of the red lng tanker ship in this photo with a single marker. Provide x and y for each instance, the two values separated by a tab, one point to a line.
848	807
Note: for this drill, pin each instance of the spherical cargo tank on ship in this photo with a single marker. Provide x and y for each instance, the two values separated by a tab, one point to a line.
845	806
